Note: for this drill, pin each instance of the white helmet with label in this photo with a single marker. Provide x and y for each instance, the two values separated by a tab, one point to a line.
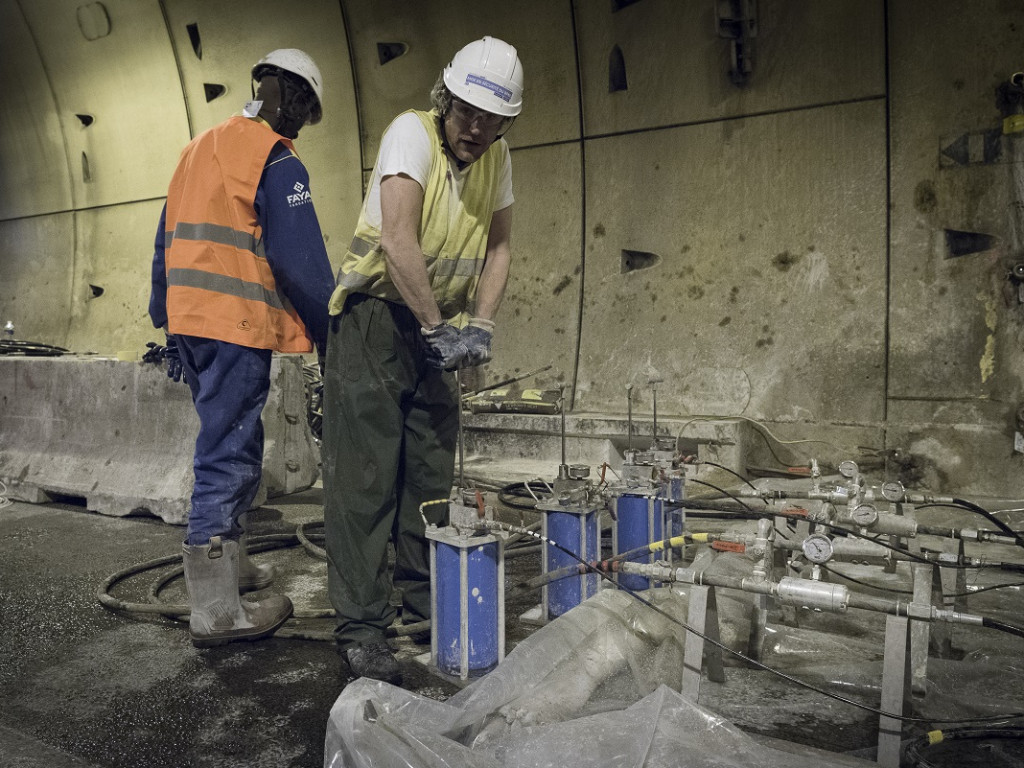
488	75
298	63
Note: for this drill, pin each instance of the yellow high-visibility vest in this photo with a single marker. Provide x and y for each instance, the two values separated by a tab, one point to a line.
453	242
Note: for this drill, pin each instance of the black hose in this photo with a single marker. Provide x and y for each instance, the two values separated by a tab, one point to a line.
992	519
315	550
1002	626
508	494
917	747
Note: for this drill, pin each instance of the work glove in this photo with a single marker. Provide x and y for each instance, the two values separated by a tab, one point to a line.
477	338
155	353
445	347
173	358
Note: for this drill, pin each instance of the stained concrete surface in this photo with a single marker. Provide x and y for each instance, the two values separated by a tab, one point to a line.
82	685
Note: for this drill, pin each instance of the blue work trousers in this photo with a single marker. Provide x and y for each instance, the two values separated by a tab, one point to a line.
229	386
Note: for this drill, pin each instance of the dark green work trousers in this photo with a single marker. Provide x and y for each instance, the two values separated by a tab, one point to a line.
389	438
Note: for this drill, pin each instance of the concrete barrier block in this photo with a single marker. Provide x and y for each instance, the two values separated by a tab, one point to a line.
121	435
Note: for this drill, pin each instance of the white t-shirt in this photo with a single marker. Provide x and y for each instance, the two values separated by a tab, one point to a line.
405	148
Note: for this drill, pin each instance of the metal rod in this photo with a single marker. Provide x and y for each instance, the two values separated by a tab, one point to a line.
513	380
561	408
629	417
458	388
654	404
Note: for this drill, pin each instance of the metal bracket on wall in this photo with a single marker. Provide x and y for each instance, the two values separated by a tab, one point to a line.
1018	434
1016	279
736	20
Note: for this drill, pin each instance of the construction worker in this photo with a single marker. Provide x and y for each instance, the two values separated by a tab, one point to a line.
239	271
416	299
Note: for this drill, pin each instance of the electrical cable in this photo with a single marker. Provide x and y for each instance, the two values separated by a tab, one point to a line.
766	433
723	492
851	579
976	590
521	490
30	348
731	471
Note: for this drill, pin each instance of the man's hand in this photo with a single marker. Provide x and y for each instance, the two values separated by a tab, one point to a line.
173	358
477	338
445	347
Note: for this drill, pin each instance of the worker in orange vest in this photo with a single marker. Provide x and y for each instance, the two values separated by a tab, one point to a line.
239	271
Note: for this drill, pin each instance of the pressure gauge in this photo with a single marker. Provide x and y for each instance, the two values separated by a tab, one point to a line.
817	548
579	471
848	468
864	515
893	490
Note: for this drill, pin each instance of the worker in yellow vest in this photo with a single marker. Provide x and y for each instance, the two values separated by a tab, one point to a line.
240	271
417	295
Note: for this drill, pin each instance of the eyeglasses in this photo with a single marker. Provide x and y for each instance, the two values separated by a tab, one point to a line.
469	115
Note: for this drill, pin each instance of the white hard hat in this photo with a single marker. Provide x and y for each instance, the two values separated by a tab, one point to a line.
487	74
298	63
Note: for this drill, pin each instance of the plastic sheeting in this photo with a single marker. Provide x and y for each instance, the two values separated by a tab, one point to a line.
596	687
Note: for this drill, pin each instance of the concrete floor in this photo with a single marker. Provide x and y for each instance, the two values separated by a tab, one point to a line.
83	685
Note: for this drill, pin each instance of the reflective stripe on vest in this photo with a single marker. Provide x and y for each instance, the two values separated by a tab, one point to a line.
215	233
230	286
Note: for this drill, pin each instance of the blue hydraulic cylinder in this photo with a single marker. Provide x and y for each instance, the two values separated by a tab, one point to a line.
574	528
638	522
467	592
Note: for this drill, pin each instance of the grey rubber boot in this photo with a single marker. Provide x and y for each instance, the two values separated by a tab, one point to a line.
252	577
218	614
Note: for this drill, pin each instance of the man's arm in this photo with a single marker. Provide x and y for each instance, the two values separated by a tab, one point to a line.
494	278
158	278
294	242
401	205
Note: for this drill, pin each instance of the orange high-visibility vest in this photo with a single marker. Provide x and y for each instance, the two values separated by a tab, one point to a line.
219	284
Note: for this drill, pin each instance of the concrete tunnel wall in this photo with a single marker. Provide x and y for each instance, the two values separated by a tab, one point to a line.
776	251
